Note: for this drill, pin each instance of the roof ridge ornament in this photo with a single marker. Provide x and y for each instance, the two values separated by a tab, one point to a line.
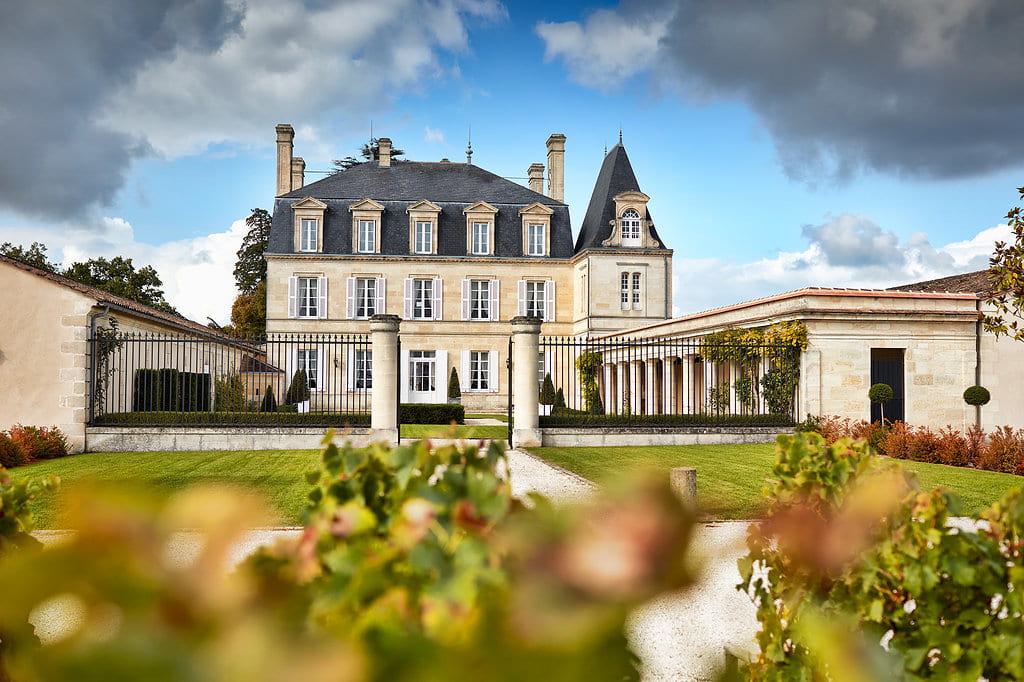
469	145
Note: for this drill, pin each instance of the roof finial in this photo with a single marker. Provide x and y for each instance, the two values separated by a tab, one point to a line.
469	144
371	131
606	148
620	133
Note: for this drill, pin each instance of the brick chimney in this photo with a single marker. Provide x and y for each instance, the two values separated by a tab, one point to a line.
556	167
285	138
298	172
536	173
384	152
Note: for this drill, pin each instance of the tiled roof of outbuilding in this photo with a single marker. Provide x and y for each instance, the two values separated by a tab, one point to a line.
976	282
452	186
616	176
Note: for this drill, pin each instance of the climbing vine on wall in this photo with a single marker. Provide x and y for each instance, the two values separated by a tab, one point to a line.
587	365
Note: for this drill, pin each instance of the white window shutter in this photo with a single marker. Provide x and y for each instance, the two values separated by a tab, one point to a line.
438	298
291	366
465	299
321	370
548	363
522	297
549	309
403	377
492	369
350	297
379	308
293	297
441	367
494	300
321	304
464	372
408	299
350	367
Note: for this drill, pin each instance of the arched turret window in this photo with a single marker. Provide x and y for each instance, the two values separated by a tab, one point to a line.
630	226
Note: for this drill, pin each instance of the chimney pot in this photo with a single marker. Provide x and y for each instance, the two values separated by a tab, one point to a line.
384	152
556	167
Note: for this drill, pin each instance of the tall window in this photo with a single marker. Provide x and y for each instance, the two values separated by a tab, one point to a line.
636	291
363	370
479	299
307	235
479	370
366	296
423	299
424	237
421	370
624	292
535	299
308	295
630	223
367	236
308	360
535	240
481	238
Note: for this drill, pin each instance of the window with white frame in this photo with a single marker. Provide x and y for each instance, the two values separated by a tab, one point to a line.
308	293
309	361
624	291
362	371
422	371
630	226
366	297
535	239
367	236
536	296
479	370
424	237
479	299
636	292
481	238
308	234
423	299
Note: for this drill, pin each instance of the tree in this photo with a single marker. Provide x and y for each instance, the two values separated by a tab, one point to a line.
118	276
547	391
251	267
249	314
454	391
298	390
881	394
369	152
1006	281
34	255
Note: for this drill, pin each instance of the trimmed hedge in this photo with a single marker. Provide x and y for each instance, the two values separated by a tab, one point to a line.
39	442
431	413
170	389
233	418
568	417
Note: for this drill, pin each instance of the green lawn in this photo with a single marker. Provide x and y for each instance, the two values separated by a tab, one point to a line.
730	477
499	417
493	431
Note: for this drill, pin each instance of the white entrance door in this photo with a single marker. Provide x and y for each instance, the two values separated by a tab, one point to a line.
422	376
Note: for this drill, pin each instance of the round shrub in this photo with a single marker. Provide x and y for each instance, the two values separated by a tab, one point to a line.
40	442
10	454
977	395
880	393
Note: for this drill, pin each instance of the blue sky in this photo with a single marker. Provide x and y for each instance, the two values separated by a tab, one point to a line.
806	142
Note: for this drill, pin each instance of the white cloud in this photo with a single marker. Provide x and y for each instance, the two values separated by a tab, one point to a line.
293	63
432	134
911	261
196	273
607	48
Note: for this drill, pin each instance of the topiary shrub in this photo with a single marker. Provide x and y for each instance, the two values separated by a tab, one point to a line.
269	403
229	394
881	394
559	398
39	442
454	390
977	395
298	390
547	391
10	454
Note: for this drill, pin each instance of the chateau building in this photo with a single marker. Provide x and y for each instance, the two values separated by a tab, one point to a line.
456	251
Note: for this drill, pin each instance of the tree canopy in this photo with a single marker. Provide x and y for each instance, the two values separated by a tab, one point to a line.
369	152
251	268
34	255
1006	277
120	277
249	313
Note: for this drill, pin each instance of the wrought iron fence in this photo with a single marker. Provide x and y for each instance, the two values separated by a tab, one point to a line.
617	381
275	380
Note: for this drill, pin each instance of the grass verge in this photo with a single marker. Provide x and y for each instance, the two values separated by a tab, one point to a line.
492	431
730	477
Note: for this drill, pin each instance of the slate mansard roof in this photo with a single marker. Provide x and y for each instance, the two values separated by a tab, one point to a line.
616	177
452	186
976	282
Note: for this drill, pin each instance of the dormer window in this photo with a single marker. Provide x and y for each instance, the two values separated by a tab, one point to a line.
308	225
308	234
367	236
535	239
424	237
536	230
480	218
424	217
367	215
630	226
481	239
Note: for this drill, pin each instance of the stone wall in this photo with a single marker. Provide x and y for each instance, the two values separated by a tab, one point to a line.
187	439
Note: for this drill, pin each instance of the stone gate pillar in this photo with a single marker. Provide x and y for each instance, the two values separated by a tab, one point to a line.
384	394
525	370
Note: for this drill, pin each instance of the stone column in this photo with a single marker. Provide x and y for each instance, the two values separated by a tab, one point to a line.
384	394
609	387
620	387
652	386
635	386
668	385
525	369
